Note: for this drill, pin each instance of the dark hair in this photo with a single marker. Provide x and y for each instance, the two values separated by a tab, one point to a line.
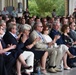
44	28
37	18
64	27
70	23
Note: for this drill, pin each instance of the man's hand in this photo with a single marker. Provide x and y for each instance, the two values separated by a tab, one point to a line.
57	37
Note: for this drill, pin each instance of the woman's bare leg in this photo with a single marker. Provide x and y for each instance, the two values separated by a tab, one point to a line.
70	55
18	65
65	61
21	59
43	62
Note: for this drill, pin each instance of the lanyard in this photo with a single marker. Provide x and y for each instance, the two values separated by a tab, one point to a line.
40	35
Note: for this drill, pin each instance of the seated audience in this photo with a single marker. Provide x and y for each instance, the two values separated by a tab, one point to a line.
10	37
54	44
55	31
2	51
29	47
55	54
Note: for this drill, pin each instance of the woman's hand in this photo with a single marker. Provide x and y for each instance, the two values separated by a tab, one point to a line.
12	46
51	43
74	43
29	46
19	35
24	38
1	51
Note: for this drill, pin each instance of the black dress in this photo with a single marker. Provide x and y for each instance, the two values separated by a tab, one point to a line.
37	53
68	41
2	65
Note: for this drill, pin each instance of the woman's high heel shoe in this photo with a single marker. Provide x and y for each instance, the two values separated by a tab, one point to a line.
27	67
72	57
68	68
43	71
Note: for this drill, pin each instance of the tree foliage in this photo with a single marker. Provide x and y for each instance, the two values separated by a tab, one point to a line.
45	7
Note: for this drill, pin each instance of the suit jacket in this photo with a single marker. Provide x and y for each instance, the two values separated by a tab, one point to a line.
10	39
73	34
52	34
40	44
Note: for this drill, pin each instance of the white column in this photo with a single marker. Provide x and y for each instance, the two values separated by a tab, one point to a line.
19	0
72	5
2	4
24	7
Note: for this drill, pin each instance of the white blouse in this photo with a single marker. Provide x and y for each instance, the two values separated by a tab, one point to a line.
49	39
